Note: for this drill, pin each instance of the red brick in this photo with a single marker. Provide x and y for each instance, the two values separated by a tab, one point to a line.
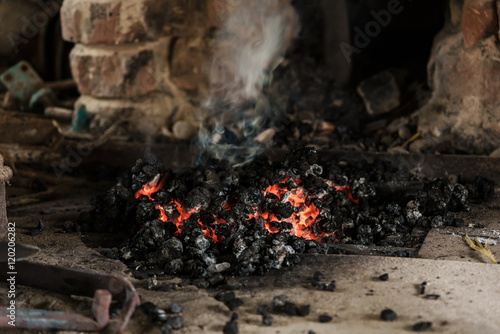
480	20
126	71
113	22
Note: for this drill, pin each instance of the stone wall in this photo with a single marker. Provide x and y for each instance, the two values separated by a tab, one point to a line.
142	59
464	73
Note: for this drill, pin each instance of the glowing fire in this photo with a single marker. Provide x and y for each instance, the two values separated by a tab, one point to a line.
151	187
303	220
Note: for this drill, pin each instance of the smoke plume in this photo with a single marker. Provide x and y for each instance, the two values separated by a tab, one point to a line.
248	47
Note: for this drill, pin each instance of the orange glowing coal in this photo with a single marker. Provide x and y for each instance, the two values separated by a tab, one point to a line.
303	220
151	187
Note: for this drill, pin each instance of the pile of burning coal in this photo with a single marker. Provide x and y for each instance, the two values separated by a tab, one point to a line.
205	220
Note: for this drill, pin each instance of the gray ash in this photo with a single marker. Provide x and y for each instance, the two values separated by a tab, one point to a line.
211	220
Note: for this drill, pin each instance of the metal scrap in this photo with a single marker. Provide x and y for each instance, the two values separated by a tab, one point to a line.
102	287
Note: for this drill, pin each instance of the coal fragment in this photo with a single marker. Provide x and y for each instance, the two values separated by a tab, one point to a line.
388	315
324	286
267	320
318	276
231	327
432	297
216	279
175	322
290	309
225	296
264	309
169	287
303	310
384	277
154	312
166	328
175	308
423	285
324	318
233	304
39	228
422	326
200	283
400	254
114	310
279	302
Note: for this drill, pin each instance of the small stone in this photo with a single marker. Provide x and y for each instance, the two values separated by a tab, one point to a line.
384	277
216	279
234	303
154	312
231	327
225	296
422	326
169	287
404	133
265	136
388	315
184	130
290	309
176	322
324	318
200	283
219	267
326	127
303	310
280	301
175	308
318	276
166	328
264	309
267	320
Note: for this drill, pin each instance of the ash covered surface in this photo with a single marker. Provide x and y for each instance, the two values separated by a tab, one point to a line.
213	220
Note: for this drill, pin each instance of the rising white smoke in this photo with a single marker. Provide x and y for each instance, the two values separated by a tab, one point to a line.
248	47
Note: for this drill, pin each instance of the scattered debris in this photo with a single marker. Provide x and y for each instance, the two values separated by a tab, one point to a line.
483	249
384	277
324	318
318	276
267	320
154	312
423	285
432	297
229	299
388	315
231	327
39	228
422	326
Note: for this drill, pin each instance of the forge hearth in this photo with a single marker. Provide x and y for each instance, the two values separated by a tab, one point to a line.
5	176
214	220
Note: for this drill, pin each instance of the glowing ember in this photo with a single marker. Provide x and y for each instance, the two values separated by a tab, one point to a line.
303	220
151	187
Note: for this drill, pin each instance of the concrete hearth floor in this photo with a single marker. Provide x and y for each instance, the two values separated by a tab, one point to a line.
465	281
